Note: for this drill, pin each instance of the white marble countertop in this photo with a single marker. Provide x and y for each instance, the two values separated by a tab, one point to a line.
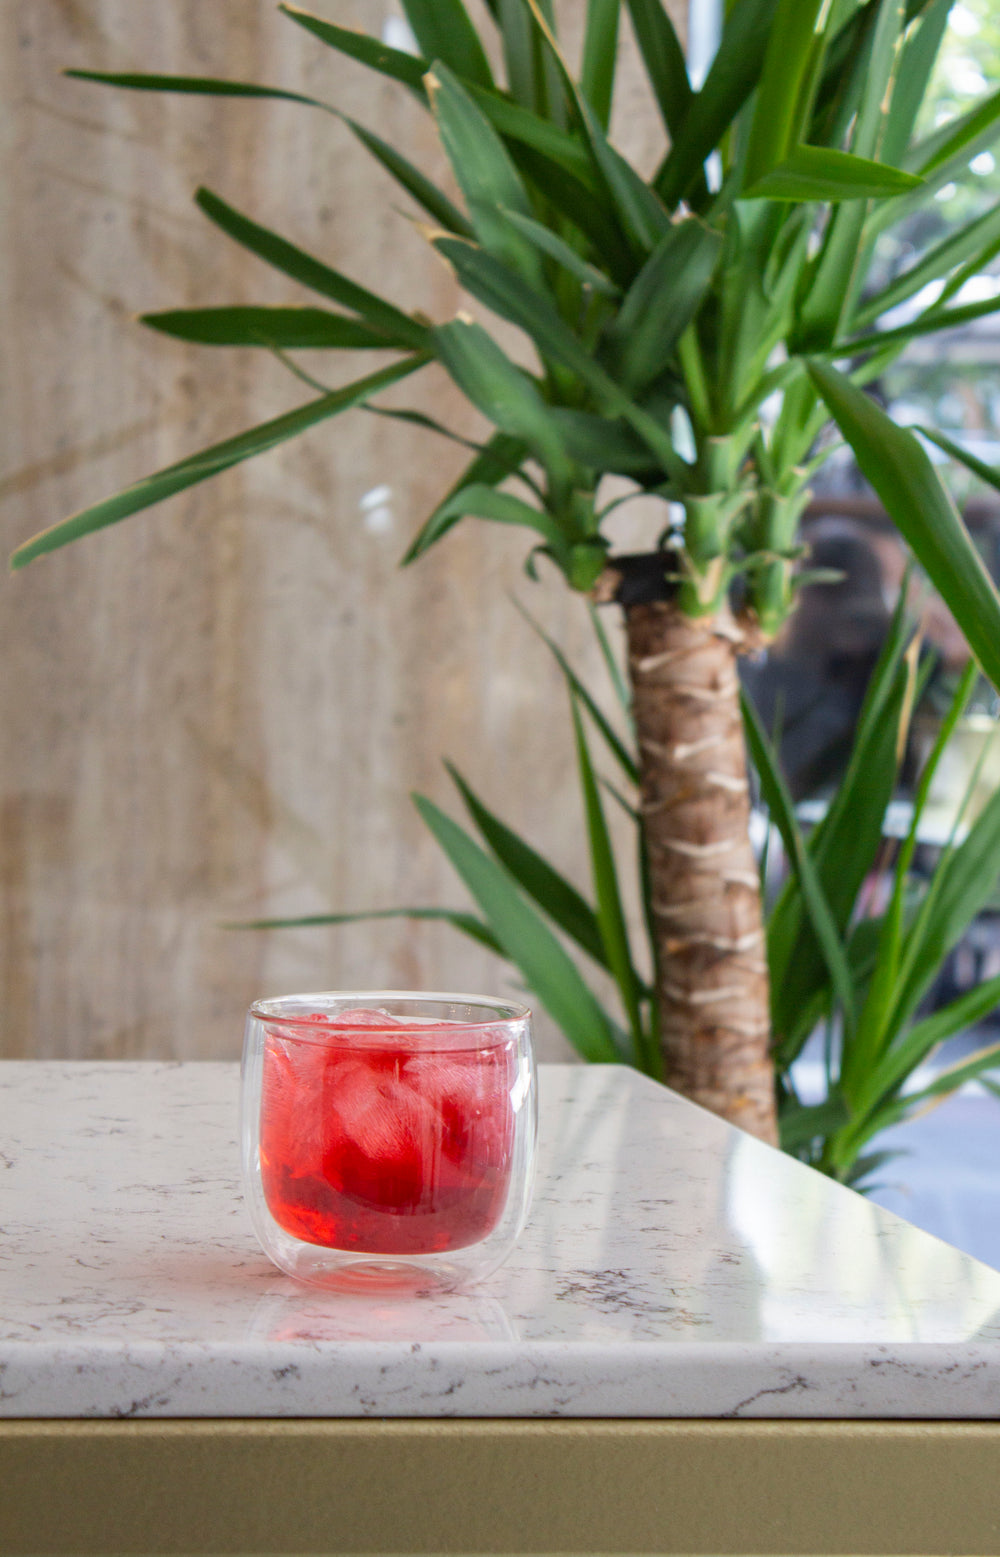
672	1267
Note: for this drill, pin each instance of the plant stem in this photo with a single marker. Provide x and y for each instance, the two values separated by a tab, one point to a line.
711	972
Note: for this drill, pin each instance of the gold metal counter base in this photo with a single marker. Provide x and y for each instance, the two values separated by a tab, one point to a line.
394	1487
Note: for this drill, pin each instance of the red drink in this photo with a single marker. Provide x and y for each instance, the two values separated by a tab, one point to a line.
386	1137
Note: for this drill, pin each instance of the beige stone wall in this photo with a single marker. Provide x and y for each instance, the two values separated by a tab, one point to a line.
216	710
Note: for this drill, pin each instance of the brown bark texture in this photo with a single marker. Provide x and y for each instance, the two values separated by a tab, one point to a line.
711	967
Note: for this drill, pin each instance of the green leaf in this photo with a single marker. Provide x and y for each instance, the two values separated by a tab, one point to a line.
397	327
502	391
444	32
785	89
197	86
977	266
962	885
927	324
600	49
839	263
517	30
209	462
588	215
919	55
923	1038
988	473
558	249
863	1167
288	328
558	148
468	924
556	896
498	460
948	1081
819	173
395	63
485	174
638	210
428	423
485	502
764	260
615	746
642	216
615	674
610	915
960	138
941	158
661	303
531	75
842	847
507	295
664	61
782	813
857	809
734	73
651	923
587	560
799	1125
969	243
416	184
843	74
880	76
874	1032
631	811
526	939
897	466
602	445
942	1086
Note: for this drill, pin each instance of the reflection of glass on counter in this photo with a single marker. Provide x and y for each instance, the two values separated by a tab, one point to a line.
340	1317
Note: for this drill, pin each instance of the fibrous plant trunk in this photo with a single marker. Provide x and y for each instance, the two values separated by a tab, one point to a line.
711	967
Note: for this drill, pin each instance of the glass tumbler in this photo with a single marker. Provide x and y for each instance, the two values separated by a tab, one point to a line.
388	1138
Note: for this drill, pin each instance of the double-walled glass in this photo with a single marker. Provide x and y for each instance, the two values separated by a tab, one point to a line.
388	1138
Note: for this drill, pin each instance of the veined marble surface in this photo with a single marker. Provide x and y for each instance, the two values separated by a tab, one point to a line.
672	1267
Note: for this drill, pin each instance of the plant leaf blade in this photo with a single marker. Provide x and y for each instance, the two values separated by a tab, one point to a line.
663	59
556	896
499	459
823	173
286	328
444	31
610	915
987	473
782	811
196	86
209	462
466	923
526	939
898	468
397	326
410	69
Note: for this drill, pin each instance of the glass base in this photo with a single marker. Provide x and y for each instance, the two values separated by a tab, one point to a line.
341	1272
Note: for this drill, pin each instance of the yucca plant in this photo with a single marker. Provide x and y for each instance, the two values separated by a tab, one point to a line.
668	316
856	938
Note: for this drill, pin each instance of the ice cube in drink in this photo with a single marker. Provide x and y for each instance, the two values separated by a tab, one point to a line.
385	1136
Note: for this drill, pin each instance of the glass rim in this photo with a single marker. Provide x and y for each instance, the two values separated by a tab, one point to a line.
511	1012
